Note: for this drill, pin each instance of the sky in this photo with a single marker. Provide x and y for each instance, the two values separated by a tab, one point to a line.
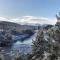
29	11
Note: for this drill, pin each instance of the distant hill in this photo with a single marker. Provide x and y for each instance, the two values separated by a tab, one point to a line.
11	25
8	25
18	27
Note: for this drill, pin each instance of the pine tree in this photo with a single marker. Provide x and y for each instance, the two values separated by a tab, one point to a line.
38	46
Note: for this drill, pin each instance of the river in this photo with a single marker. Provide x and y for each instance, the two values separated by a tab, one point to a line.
23	47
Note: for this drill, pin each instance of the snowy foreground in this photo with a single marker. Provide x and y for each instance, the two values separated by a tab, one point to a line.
45	45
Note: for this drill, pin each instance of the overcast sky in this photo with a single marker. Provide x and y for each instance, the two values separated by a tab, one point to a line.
15	10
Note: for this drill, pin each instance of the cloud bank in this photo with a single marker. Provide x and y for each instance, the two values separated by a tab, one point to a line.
30	20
